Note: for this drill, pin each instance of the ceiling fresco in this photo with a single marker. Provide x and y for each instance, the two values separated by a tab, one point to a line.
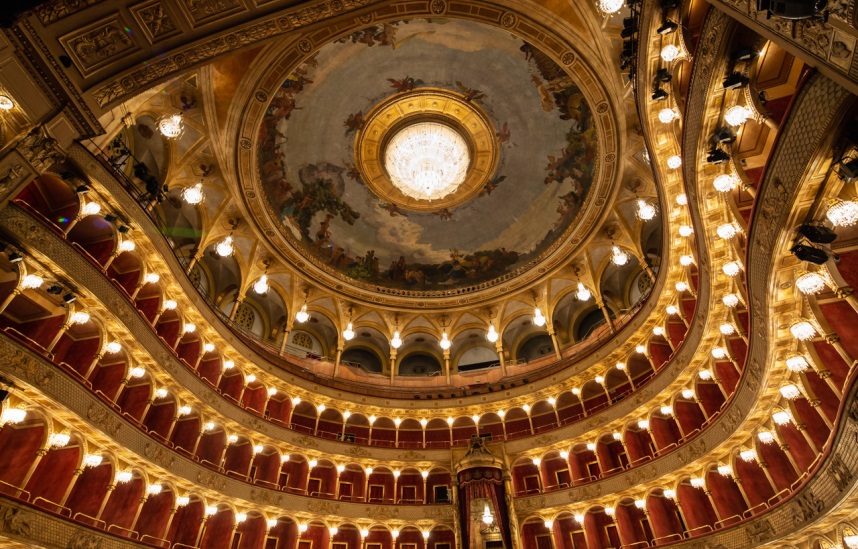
544	133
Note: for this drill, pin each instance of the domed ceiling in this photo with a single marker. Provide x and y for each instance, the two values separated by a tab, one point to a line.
531	140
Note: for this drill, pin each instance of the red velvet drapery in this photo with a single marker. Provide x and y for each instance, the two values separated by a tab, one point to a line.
482	483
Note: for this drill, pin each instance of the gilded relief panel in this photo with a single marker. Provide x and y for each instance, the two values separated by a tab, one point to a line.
95	45
200	12
157	20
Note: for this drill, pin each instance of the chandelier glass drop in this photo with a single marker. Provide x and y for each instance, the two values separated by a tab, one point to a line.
427	160
810	283
736	116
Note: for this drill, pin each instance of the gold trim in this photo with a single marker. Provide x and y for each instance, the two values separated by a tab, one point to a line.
426	104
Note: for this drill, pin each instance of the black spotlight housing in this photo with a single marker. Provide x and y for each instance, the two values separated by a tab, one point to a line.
668	27
717	156
818	234
15	257
725	135
735	81
123	229
110	218
809	254
744	54
849	171
663	75
660	95
82	189
54	289
69	298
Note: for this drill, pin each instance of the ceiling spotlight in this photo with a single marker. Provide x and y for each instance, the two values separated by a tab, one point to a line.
849	171
302	315
842	213
618	256
123	229
69	298
818	234
668	27
735	81
15	257
82	189
725	135
736	115
669	53
171	127
660	95
744	54
717	156
54	289
809	254
225	248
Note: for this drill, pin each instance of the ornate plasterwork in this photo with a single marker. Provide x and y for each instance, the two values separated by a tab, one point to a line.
577	235
95	45
204	11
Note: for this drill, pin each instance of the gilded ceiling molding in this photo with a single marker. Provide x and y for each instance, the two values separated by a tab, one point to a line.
561	49
33	370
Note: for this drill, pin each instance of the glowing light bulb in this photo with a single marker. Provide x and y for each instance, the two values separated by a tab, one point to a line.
669	53
31	282
194	195
261	285
225	248
302	315
538	318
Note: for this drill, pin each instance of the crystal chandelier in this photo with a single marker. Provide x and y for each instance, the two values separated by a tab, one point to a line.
748	455
445	341
618	256
492	334
610	6
802	330
31	282
725	183
302	315
736	115
727	230
194	195
79	317
669	53
797	364
172	126
396	342
6	103
225	248
666	116
790	392
810	283
842	213
427	160
538	318
646	211
261	286
583	293
730	300
674	162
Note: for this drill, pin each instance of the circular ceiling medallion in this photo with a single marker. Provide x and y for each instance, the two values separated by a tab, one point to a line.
426	150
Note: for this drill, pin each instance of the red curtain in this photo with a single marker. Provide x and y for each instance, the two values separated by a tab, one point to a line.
482	483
